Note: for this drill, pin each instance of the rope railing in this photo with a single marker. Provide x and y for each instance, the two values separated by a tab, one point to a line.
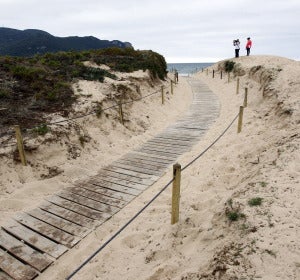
150	202
95	111
69	120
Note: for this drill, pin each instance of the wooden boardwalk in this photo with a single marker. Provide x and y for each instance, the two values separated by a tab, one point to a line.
33	240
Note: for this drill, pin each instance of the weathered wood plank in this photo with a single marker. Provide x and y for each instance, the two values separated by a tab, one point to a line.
15	268
4	276
158	158
132	167
105	172
166	148
60	223
176	136
34	239
69	215
45	229
144	163
107	192
151	159
93	204
146	178
171	142
80	209
114	186
98	197
22	251
157	152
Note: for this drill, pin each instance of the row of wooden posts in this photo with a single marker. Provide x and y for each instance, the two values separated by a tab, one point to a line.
20	143
177	166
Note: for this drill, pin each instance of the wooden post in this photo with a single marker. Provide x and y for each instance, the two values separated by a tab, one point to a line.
206	71
240	122
228	77
20	145
121	112
221	75
213	74
162	95
176	193
175	77
172	89
246	98
237	85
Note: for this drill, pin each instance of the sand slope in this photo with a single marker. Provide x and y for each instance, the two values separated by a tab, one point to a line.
260	162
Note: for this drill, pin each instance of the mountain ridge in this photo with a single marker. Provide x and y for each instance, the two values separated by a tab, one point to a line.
29	42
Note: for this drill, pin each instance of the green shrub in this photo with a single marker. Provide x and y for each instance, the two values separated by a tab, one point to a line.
42	129
256	201
229	65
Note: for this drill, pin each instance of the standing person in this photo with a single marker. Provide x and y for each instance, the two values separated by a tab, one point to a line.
236	44
248	45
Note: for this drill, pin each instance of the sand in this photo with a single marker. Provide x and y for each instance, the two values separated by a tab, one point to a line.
260	162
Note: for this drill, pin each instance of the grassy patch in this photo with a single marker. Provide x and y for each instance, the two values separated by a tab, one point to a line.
229	65
255	201
42	129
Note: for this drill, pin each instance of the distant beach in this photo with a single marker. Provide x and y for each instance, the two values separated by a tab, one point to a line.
185	69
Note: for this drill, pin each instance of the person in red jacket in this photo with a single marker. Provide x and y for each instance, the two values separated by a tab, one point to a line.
248	45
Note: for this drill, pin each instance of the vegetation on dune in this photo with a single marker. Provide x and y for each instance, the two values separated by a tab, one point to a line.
43	83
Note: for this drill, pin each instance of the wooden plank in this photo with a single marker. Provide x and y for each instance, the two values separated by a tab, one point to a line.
19	249
155	158
165	148
93	204
148	179
114	187
80	209
106	192
179	145
98	197
146	160
115	178
15	268
144	163
132	167
156	152
175	136
59	223
4	276
138	182
69	215
172	142
34	239
47	230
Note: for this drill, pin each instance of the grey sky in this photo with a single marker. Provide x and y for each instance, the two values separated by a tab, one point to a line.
182	31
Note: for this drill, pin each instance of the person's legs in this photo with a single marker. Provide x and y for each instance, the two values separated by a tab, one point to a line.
248	51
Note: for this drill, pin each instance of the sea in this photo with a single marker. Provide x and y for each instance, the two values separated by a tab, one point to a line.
186	69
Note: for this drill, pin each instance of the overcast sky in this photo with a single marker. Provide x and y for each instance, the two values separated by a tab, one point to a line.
180	30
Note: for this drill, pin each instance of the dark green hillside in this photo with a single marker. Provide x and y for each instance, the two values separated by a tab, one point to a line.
30	87
30	42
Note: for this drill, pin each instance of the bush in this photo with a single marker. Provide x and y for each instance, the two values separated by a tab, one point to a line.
42	129
229	65
256	201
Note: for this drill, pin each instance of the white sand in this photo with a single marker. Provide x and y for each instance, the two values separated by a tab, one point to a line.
262	161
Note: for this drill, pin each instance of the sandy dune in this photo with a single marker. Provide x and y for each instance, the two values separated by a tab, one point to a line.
260	164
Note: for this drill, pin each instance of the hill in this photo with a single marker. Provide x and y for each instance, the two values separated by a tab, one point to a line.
31	87
30	42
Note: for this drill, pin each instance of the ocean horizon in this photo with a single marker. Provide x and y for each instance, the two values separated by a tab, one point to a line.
186	69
